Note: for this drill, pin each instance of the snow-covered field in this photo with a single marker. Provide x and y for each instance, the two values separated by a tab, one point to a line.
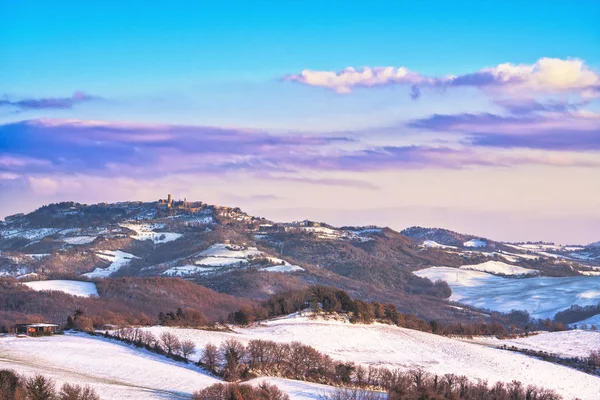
75	288
287	267
432	243
119	371
79	240
542	297
117	258
146	232
576	343
394	347
221	255
297	390
116	371
475	243
498	267
30	234
222	250
222	261
592	321
184	270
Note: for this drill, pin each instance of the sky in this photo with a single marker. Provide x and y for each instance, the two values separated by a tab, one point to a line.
481	117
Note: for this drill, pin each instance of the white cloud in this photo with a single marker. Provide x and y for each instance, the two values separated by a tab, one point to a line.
344	81
547	75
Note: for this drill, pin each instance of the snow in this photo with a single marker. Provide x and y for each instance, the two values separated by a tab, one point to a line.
540	246
227	255
475	243
185	270
39	256
542	297
17	272
25	276
283	268
119	371
595	321
585	256
323	232
394	347
222	250
30	234
146	232
117	258
590	273
368	230
75	288
115	370
199	221
498	267
79	240
575	343
221	261
298	390
432	243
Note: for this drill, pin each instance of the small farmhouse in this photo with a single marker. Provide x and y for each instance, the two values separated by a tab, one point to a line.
39	329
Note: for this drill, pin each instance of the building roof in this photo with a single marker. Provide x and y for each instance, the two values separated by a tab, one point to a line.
38	325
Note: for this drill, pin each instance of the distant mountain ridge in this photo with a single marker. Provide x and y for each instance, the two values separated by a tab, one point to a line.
232	252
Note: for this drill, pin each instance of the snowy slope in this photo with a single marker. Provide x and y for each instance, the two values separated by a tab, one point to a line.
576	343
222	261
117	258
146	232
184	270
223	256
30	234
115	370
222	250
431	243
592	321
75	288
119	371
297	390
79	240
542	297
283	268
498	267
475	243
394	347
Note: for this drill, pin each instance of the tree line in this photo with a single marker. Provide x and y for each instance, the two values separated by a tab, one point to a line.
332	300
235	362
577	313
39	387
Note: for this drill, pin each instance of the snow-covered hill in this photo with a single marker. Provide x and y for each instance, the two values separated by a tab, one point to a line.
576	343
500	268
118	259
394	347
542	297
118	371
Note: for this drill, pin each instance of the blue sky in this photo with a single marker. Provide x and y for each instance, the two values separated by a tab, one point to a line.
495	91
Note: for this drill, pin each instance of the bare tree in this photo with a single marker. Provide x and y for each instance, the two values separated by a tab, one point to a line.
353	394
40	388
187	348
210	357
170	342
77	392
232	354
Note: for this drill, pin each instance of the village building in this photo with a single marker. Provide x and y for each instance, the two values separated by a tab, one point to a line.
37	329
